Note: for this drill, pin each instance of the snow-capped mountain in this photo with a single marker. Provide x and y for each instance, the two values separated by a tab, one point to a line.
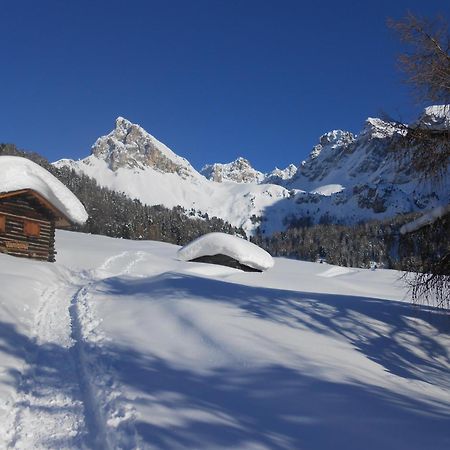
279	176
130	146
342	158
239	171
346	178
132	161
436	117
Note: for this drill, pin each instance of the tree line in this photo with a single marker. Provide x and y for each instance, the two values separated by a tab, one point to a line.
368	244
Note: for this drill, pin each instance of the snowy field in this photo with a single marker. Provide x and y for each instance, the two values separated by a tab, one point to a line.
120	345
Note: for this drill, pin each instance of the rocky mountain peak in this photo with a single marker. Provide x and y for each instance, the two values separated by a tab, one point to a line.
336	138
130	146
329	144
375	128
436	117
239	171
124	128
280	176
241	163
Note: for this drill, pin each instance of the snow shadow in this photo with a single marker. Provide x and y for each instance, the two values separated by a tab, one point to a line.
271	406
275	406
14	343
47	387
396	335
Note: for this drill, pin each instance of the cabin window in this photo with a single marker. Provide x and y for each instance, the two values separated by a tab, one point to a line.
2	224
31	229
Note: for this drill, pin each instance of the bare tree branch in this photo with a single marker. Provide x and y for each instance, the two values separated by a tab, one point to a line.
427	65
426	147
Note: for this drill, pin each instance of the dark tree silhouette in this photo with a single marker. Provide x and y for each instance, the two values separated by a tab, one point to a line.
426	146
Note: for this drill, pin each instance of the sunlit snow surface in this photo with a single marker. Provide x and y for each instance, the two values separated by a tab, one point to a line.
120	345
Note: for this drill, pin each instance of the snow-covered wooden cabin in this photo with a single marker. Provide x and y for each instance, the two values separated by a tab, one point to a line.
32	204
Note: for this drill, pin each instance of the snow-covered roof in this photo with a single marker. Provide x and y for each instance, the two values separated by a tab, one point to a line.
20	173
225	244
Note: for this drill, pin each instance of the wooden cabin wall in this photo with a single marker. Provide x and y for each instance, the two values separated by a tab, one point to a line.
13	240
224	260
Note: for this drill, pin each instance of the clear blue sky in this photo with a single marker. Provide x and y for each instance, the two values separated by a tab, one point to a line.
212	79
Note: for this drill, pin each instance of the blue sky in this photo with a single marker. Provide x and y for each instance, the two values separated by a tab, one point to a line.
213	80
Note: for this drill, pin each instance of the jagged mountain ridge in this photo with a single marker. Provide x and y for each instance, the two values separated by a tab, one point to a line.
346	178
239	171
130	146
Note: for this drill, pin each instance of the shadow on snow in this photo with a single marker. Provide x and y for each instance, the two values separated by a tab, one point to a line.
272	407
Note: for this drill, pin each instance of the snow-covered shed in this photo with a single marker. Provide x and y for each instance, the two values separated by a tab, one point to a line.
226	250
32	204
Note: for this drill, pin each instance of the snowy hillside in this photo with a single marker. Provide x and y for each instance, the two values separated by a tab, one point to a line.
120	345
346	178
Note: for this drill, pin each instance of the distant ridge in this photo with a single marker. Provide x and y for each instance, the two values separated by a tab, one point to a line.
346	178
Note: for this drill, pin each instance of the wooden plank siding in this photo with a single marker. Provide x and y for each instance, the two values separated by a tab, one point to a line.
224	260
36	240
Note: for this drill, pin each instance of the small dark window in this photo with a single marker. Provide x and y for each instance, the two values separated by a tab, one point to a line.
31	229
2	224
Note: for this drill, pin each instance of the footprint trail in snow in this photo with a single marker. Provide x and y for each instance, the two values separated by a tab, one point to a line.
67	398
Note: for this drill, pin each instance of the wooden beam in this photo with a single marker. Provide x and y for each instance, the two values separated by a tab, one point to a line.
13	193
45	222
61	219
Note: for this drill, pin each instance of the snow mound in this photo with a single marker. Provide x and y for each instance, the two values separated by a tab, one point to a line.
20	173
225	244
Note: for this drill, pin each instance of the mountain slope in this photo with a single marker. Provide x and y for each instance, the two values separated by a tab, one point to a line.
345	179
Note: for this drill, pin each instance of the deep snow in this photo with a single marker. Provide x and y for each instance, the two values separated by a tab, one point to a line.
120	345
